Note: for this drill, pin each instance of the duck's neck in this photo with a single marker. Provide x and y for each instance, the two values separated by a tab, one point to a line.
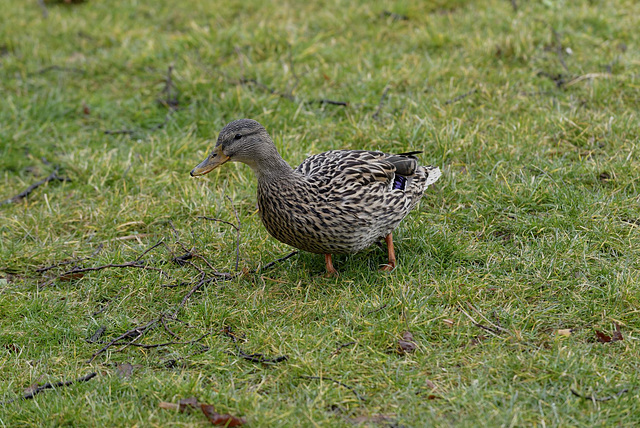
271	168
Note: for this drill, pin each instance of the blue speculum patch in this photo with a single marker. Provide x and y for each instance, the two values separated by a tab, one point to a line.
399	182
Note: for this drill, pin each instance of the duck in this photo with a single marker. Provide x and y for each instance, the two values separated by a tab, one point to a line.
335	202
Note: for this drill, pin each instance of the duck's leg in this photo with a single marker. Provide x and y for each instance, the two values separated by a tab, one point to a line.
392	254
331	271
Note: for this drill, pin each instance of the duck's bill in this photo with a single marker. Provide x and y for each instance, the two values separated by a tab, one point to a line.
214	160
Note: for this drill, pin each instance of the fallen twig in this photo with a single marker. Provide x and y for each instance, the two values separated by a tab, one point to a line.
255	357
594	398
44	269
394	16
135	332
56	68
158	345
97	335
381	103
558	48
119	131
373	311
235	212
51	177
49	385
171	100
460	97
273	263
350	388
134	264
331	102
45	11
587	76
340	347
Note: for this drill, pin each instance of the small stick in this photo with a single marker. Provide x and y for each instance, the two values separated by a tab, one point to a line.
52	177
48	385
140	330
460	97
376	310
45	11
119	131
558	49
219	220
394	16
166	327
160	242
350	388
56	68
331	102
594	398
44	269
340	347
381	103
158	345
273	263
111	265
235	212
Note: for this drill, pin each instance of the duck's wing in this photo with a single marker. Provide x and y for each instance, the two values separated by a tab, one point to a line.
344	167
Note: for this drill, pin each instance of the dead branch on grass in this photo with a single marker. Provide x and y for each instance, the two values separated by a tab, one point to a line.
74	261
51	177
135	332
327	101
254	357
73	273
273	263
169	100
558	48
376	114
460	97
393	16
56	68
342	346
45	11
49	385
158	345
594	398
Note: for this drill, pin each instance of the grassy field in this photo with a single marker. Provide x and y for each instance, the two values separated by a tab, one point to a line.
517	266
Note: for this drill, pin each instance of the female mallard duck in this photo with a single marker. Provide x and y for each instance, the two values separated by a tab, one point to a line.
341	201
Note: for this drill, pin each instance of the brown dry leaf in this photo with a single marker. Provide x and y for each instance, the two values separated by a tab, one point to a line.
182	405
617	334
71	276
433	397
188	402
448	322
602	338
407	344
430	384
168	406
479	338
221	420
126	370
564	332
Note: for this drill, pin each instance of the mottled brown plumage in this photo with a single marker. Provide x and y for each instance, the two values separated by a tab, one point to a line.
340	201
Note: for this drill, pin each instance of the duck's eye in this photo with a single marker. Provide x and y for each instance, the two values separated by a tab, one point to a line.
237	136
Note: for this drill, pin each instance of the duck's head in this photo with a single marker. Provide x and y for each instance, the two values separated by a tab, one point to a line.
242	140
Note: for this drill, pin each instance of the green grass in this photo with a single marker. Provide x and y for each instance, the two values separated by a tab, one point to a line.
533	226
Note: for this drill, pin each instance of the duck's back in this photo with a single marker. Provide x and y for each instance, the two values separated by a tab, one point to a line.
342	201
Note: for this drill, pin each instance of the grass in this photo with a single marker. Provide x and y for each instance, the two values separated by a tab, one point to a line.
533	226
